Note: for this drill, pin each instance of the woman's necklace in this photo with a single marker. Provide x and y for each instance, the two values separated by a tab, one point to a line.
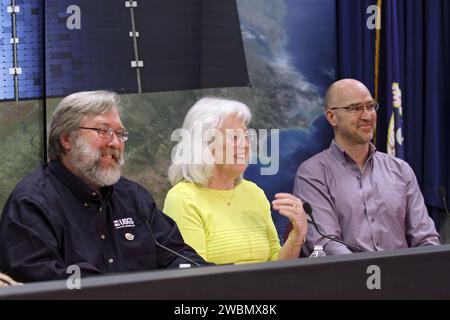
227	201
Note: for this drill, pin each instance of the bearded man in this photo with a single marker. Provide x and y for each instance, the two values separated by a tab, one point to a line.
78	211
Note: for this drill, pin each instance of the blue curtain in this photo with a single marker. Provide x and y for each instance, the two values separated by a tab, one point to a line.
424	66
355	42
390	83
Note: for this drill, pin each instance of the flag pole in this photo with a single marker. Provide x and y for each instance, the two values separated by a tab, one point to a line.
377	56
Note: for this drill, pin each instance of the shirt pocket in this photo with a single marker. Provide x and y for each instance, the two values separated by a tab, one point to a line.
392	201
137	248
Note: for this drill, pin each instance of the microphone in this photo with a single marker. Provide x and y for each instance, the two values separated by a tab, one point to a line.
144	218
443	195
308	209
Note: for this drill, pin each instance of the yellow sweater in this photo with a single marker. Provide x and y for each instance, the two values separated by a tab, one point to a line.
240	232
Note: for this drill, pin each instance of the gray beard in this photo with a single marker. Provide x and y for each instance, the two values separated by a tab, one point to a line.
87	163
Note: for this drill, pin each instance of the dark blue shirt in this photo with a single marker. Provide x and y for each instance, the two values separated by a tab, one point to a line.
53	220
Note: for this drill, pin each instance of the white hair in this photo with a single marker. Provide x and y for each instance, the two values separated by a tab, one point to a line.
206	115
72	110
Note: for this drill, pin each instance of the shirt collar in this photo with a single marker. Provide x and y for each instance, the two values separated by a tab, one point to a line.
340	154
77	186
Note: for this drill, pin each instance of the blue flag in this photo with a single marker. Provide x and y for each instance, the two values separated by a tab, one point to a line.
390	86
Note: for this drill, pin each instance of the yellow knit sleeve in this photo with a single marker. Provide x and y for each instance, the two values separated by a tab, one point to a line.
272	234
273	241
182	209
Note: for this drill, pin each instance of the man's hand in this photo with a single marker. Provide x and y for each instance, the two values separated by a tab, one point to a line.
7	281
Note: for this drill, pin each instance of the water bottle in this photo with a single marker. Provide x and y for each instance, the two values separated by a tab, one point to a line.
318	252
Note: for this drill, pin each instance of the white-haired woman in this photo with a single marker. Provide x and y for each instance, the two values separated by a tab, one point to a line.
224	217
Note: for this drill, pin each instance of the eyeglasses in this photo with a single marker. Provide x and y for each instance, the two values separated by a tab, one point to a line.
107	133
235	138
359	108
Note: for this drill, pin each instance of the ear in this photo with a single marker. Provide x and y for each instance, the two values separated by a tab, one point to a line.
331	117
66	142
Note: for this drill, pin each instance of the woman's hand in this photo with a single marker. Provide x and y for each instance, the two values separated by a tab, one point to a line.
291	207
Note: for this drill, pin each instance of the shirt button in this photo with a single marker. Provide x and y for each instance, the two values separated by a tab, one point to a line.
85	204
377	244
372	219
110	260
93	194
100	210
103	236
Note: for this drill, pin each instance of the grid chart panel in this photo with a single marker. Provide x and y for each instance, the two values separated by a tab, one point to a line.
29	49
96	56
182	44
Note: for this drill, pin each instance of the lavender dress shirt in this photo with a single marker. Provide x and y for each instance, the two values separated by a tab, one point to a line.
380	208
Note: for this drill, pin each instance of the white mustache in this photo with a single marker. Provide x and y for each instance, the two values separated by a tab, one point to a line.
111	152
115	153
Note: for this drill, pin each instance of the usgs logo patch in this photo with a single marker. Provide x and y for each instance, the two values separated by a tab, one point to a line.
124	223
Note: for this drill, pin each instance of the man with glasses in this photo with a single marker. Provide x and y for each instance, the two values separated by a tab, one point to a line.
78	210
359	195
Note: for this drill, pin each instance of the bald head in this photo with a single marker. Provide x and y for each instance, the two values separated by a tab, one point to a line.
351	127
345	92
